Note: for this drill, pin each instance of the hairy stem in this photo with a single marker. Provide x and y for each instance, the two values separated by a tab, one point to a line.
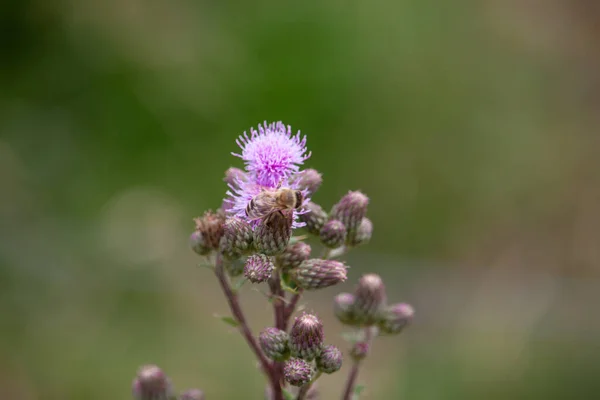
304	389
351	381
236	310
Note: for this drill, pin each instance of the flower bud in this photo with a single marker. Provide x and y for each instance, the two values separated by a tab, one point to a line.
333	234
192	394
198	243
351	209
234	267
314	217
274	343
271	237
258	268
293	255
342	308
330	360
309	179
359	351
151	383
237	238
297	372
362	235
233	177
306	337
369	299
210	225
395	318
317	274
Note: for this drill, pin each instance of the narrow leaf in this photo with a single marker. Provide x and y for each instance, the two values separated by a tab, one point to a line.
287	395
228	320
358	389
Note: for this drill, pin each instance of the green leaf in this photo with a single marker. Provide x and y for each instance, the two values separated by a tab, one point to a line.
228	320
287	395
358	389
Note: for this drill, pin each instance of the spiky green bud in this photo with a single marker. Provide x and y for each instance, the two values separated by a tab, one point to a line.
362	235
309	179
151	383
192	394
210	226
297	372
395	318
333	234
237	238
330	360
306	337
351	209
369	299
293	255
272	235
342	308
274	343
318	274
259	268
314	217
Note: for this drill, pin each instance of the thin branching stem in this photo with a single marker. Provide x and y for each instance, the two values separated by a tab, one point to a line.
351	381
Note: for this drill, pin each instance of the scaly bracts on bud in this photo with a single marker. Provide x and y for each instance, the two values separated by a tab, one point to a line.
351	209
293	255
192	394
369	299
342	308
259	268
151	383
333	234
330	360
309	180
395	318
359	351
306	337
297	372
314	217
362	235
237	238
272	235
318	274
210	227
275	344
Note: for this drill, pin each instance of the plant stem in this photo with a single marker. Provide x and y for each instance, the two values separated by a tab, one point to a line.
236	310
304	389
351	381
291	307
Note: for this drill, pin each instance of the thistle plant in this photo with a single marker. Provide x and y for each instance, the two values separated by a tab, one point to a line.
241	248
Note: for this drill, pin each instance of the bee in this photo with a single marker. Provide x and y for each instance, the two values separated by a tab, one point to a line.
269	201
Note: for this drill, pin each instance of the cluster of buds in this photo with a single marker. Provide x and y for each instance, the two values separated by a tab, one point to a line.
151	383
302	350
368	307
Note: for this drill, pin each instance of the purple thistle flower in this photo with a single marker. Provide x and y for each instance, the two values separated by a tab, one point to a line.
272	156
306	337
297	372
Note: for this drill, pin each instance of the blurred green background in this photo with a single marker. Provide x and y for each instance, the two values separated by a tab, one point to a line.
472	126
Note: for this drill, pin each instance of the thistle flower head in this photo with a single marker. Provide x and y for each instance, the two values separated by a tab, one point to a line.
330	360
359	351
314	217
293	255
351	209
309	180
362	234
273	234
210	227
395	318
370	299
306	337
272	155
333	234
151	383
342	308
274	343
192	394
318	274
236	239
258	268
297	372
198	243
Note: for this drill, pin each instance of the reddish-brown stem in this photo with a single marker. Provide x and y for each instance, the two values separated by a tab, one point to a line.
236	310
351	381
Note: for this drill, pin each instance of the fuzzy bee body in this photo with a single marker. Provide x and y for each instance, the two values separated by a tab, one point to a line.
269	201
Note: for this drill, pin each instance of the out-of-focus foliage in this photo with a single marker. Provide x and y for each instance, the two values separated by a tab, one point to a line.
473	127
